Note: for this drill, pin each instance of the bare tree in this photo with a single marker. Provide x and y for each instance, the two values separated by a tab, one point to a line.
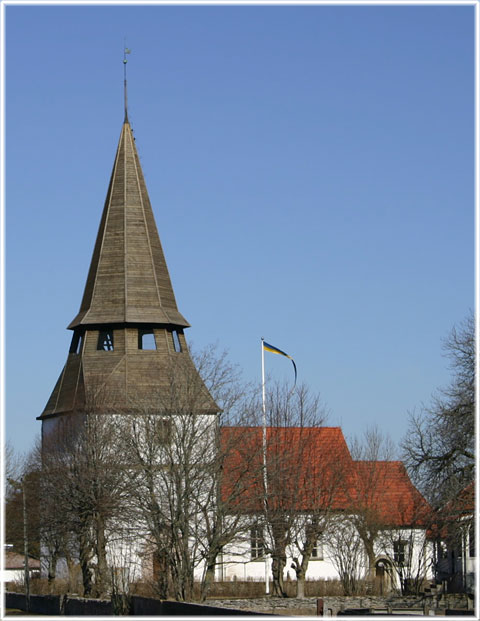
324	492
364	497
439	447
409	552
85	492
347	553
13	463
179	453
22	502
124	571
289	487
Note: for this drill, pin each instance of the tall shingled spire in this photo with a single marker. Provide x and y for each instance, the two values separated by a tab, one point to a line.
128	281
128	335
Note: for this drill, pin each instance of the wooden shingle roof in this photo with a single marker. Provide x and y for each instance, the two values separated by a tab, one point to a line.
128	296
128	280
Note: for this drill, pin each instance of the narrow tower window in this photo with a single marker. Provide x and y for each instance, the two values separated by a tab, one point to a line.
164	431
176	341
76	344
256	542
146	339
105	340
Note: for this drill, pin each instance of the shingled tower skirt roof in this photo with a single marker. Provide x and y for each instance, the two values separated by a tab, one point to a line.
128	347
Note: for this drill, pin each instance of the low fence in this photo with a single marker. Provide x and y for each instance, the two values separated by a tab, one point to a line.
54	605
40	604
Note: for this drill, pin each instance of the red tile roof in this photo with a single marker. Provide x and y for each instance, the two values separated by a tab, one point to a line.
386	488
311	468
463	503
460	508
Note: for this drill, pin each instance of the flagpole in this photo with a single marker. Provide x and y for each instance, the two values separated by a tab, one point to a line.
264	447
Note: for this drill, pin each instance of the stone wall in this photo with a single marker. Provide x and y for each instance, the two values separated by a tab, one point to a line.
332	606
77	606
271	605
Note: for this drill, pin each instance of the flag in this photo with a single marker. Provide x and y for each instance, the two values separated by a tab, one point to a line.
275	350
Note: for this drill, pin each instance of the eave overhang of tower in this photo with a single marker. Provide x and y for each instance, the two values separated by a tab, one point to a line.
128	281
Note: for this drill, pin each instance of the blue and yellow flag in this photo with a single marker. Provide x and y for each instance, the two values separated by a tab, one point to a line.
275	350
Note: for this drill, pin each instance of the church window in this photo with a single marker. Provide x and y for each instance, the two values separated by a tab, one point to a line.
176	341
256	542
317	551
76	344
105	340
146	340
399	551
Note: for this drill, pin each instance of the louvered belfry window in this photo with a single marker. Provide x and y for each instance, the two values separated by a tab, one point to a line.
105	340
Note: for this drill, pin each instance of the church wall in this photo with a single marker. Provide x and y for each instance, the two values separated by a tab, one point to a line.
239	565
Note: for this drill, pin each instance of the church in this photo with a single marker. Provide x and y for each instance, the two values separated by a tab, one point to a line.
129	361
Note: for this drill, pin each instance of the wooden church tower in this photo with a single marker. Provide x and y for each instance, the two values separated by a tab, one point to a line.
128	347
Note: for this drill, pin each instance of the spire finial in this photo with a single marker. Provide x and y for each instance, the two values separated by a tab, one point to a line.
125	52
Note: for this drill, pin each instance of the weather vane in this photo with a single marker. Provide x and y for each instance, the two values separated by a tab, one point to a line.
126	51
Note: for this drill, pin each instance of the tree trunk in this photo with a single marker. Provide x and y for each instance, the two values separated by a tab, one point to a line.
52	566
371	561
85	558
279	560
208	579
86	577
101	573
160	573
300	586
301	568
72	584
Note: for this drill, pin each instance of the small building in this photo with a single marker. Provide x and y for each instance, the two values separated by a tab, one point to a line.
14	566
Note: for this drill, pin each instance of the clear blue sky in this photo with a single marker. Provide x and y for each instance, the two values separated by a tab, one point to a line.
311	170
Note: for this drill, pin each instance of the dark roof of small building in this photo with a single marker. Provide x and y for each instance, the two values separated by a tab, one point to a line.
13	560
